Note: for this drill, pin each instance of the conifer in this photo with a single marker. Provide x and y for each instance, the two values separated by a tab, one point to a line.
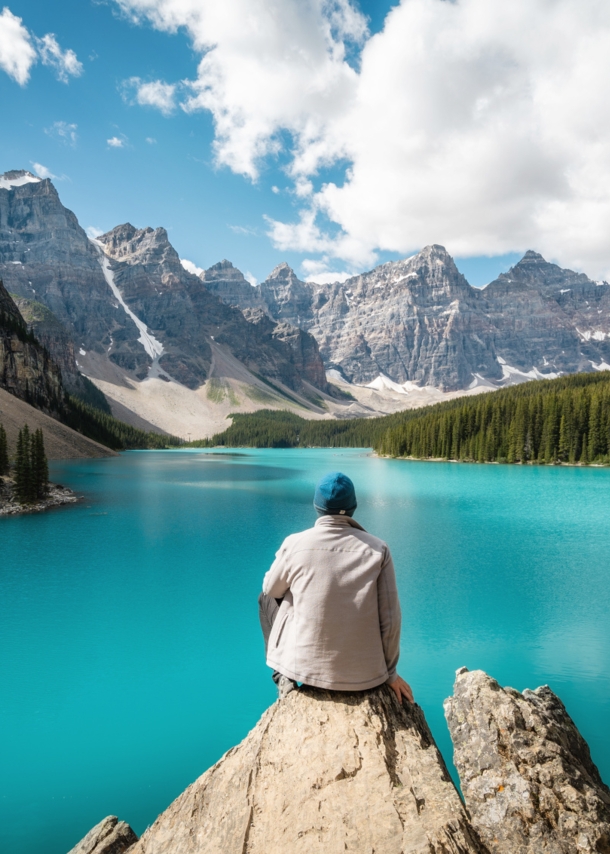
4	463
39	466
23	467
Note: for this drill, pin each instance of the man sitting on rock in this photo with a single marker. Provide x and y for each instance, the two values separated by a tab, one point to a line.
329	609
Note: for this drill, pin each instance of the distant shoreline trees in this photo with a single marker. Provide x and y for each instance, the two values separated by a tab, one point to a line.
565	420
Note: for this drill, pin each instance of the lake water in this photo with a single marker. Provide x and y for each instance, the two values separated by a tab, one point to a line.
130	651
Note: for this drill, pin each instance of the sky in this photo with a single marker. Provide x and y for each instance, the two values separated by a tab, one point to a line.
332	134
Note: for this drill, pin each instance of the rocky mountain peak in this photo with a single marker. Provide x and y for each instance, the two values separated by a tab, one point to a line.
139	245
282	273
222	271
17	178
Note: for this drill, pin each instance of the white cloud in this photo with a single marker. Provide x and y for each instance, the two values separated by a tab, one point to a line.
266	65
64	131
479	124
190	267
250	278
155	94
17	54
42	171
20	50
246	230
65	62
151	140
316	270
117	142
93	231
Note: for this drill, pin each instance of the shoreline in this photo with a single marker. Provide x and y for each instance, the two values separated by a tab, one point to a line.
58	496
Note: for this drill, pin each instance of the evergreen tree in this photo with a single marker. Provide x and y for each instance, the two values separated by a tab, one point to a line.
23	467
39	466
4	464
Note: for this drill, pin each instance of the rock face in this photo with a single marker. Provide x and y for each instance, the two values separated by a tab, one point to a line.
230	285
110	836
26	369
326	773
526	772
126	299
184	316
420	321
54	336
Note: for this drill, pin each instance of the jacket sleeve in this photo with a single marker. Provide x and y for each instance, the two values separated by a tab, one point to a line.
275	582
389	614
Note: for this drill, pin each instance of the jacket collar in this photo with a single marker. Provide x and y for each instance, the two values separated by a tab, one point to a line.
337	522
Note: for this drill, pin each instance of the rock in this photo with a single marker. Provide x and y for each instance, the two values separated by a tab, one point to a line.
526	772
419	320
231	286
110	836
26	369
46	257
322	773
55	337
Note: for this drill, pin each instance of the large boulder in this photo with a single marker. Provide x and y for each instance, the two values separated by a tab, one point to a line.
526	772
110	836
323	772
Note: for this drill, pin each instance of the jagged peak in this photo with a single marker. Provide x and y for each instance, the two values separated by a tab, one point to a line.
530	255
223	270
17	178
283	272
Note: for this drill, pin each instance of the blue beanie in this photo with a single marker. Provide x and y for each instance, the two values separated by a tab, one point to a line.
335	494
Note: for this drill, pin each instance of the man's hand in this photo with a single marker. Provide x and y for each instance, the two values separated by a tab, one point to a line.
401	689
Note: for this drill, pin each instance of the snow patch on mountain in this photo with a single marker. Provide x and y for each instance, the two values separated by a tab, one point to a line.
10	180
153	347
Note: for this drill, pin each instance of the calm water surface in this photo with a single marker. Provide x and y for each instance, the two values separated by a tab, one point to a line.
130	656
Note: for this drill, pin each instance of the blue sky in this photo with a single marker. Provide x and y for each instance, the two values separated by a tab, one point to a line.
164	169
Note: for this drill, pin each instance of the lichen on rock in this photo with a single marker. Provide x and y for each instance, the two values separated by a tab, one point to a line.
527	775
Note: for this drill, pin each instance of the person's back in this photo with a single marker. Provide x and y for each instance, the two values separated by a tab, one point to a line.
338	621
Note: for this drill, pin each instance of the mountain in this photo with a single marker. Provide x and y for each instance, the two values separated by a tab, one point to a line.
145	330
419	323
183	351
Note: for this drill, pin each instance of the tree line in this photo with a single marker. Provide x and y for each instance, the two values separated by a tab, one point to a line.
565	420
109	431
31	470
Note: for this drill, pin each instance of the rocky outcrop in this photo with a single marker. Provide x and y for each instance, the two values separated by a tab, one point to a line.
526	772
54	336
26	368
287	298
231	286
110	836
326	773
329	772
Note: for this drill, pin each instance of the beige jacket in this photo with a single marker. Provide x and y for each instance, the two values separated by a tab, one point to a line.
339	624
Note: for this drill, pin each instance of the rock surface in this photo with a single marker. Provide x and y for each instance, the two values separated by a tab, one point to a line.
526	772
110	836
419	321
45	256
26	369
326	773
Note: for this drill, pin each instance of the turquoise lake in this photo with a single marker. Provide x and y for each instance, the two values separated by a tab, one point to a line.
130	650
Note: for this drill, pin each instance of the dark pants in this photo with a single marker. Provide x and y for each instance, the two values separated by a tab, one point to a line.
268	608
